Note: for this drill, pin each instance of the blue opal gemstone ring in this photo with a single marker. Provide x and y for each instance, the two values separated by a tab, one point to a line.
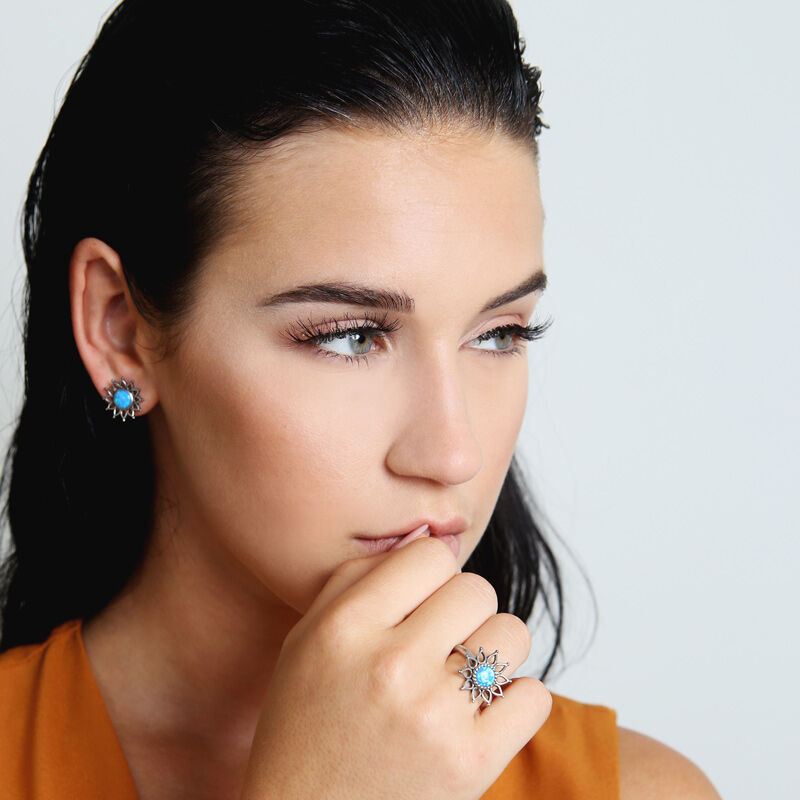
483	675
123	397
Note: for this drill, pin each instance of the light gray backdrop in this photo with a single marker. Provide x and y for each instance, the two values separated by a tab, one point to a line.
662	432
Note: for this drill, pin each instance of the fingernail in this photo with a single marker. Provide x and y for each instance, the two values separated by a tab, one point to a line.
417	533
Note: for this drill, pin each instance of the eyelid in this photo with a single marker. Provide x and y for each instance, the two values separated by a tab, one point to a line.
490	325
367	319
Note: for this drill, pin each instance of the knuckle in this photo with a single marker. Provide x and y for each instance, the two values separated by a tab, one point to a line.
461	765
480	588
431	722
431	727
536	696
348	567
388	670
335	626
514	628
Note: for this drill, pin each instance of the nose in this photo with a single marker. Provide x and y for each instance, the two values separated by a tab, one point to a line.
436	438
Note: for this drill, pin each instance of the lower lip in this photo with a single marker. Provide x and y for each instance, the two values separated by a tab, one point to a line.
382	545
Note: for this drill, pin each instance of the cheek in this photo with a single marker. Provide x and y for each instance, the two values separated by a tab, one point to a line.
320	433
499	412
261	419
283	458
270	442
272	462
498	396
257	462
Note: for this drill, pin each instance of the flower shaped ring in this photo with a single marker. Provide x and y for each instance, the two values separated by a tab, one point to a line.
483	675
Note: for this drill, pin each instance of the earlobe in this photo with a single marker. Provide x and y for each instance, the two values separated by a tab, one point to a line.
104	324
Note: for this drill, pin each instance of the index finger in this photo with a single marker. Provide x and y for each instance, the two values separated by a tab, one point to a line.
383	596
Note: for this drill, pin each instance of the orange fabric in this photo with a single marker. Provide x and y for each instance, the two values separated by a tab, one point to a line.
57	740
573	756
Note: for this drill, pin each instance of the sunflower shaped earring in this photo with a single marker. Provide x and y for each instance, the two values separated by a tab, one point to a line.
123	397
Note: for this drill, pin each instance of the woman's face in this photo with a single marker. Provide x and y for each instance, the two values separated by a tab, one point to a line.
280	454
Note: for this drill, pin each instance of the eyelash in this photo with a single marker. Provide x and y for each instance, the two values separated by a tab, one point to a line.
312	335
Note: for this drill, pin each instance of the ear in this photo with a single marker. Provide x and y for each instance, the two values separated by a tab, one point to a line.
113	339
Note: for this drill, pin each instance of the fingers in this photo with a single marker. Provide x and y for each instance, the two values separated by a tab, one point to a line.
451	614
516	716
501	728
525	703
344	576
463	611
381	590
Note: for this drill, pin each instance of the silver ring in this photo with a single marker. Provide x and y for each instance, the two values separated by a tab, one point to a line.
483	674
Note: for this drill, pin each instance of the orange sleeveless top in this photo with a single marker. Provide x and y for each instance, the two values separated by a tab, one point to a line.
57	740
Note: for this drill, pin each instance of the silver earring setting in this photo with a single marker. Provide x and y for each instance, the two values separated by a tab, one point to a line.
124	398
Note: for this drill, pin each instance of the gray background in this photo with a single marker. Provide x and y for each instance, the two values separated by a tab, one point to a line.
662	431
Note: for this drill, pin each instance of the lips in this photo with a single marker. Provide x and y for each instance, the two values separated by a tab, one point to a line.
447	530
451	526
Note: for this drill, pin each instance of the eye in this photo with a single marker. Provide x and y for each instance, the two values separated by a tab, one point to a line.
356	341
509	333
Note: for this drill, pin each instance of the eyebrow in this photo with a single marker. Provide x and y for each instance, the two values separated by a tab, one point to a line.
359	295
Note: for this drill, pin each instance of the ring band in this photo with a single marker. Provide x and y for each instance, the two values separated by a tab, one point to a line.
482	674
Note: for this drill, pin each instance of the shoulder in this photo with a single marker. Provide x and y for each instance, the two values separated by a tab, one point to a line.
28	671
17	665
649	769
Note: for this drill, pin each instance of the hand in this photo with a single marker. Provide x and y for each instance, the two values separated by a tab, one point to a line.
364	699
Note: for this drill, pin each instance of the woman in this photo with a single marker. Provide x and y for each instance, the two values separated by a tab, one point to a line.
283	261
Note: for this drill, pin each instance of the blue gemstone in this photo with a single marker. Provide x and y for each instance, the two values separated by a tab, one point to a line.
484	676
122	398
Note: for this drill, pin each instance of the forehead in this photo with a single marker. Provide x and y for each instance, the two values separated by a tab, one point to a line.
390	168
351	199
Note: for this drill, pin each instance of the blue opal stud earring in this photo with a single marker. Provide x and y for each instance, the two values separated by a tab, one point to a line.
123	398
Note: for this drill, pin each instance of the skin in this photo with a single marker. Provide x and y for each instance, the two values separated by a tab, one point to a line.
270	459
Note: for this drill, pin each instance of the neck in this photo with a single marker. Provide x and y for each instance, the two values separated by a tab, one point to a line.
186	651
